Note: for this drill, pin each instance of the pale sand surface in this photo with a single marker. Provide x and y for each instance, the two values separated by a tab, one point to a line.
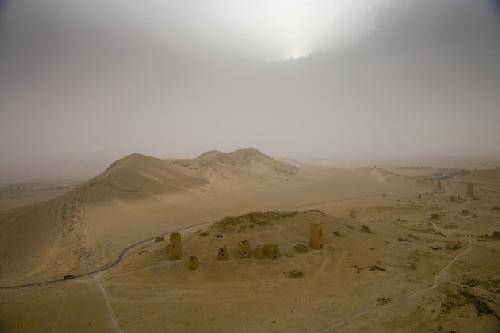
410	273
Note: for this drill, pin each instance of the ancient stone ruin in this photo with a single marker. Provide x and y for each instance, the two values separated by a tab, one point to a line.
175	246
316	240
244	249
439	185
272	251
470	189
222	254
259	252
193	263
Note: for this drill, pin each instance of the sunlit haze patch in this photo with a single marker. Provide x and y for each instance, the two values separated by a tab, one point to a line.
260	30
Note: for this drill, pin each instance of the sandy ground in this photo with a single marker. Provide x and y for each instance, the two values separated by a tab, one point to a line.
427	264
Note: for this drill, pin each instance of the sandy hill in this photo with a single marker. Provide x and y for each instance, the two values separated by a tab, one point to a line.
76	231
250	162
138	175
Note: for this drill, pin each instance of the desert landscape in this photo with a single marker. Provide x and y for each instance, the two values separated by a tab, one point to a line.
234	166
227	242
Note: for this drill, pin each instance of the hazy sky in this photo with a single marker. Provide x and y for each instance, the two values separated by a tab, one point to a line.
85	82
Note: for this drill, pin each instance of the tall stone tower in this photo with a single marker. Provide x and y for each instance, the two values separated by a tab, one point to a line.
175	246
316	240
470	189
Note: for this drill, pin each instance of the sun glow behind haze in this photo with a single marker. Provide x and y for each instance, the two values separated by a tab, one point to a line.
253	29
296	28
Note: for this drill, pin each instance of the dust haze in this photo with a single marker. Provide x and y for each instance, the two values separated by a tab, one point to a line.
250	166
86	83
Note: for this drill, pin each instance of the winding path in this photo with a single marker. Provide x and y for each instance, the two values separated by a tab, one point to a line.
123	254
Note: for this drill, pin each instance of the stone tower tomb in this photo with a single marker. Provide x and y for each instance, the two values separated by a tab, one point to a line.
316	240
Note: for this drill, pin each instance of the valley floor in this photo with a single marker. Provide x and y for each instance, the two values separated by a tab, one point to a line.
422	263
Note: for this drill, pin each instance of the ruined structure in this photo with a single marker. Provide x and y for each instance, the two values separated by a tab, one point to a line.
244	249
439	185
259	252
175	246
193	263
316	240
222	254
272	251
470	189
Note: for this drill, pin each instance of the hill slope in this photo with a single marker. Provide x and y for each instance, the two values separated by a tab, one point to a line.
75	232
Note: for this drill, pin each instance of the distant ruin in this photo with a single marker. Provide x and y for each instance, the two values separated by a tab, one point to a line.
175	246
222	254
316	240
470	190
244	249
193	263
272	251
439	185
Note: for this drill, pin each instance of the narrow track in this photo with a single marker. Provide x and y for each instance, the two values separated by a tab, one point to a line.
123	254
